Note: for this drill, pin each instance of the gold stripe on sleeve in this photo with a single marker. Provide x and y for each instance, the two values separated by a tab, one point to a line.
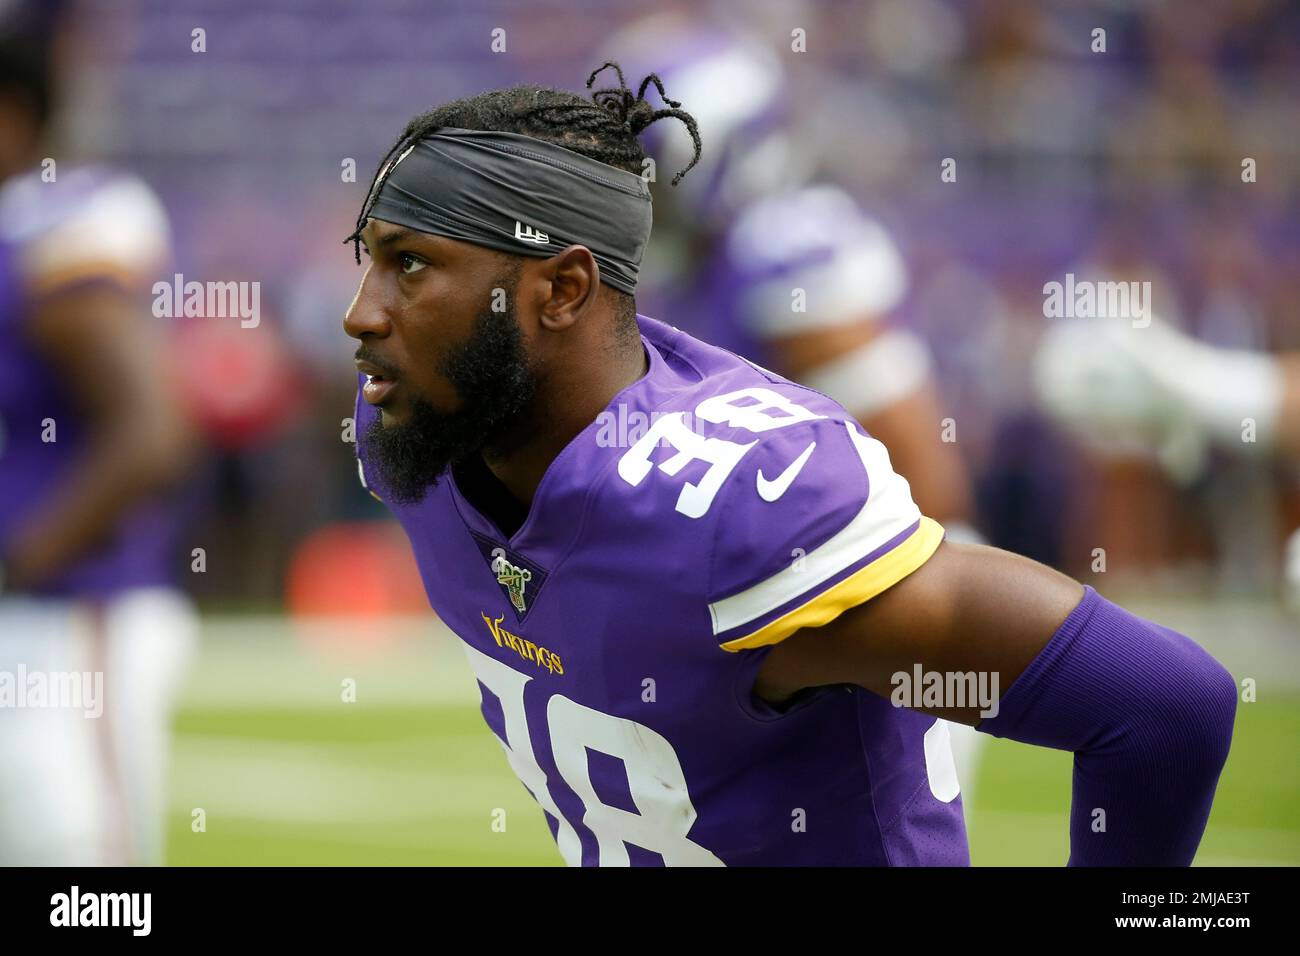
862	585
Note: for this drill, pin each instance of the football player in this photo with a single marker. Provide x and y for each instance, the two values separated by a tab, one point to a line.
89	440
712	636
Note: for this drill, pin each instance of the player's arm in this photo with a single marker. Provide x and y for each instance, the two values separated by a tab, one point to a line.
112	362
1147	713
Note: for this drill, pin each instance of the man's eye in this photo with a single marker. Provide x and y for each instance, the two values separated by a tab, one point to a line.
409	264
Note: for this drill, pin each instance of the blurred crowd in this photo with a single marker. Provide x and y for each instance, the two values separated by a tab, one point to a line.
1123	148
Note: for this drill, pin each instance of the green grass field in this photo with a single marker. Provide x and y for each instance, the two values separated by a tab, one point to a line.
287	773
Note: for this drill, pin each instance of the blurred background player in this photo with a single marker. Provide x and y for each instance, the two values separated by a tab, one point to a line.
1118	385
753	253
89	440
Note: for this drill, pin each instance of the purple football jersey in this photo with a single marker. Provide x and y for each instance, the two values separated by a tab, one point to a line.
709	512
89	225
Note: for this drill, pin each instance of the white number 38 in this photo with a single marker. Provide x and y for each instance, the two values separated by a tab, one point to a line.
654	774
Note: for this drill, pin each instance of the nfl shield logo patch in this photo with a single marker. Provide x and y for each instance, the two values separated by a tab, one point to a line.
521	580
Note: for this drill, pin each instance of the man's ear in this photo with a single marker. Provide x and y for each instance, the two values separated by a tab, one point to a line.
574	285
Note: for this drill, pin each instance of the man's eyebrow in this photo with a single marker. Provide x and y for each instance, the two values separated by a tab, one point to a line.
398	234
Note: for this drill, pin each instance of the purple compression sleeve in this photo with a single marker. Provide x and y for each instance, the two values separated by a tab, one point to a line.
1148	714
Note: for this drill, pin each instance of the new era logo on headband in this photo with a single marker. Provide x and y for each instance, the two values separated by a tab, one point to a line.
529	234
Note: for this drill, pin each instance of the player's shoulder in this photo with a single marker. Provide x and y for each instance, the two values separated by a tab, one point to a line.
805	514
773	504
719	423
83	222
767	496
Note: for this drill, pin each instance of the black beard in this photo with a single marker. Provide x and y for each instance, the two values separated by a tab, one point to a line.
496	386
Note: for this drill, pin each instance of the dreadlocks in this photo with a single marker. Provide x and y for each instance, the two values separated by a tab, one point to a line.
604	128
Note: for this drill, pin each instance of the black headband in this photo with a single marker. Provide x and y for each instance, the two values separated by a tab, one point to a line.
520	195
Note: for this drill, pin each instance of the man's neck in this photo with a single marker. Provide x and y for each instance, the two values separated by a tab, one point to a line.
565	410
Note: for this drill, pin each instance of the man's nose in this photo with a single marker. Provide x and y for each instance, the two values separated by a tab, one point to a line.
366	315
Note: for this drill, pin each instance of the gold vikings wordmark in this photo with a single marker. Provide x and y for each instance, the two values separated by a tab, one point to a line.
525	649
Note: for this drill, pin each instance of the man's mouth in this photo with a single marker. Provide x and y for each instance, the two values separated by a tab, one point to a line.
379	383
376	389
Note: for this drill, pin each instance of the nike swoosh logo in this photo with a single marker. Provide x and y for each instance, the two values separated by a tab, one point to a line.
771	490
